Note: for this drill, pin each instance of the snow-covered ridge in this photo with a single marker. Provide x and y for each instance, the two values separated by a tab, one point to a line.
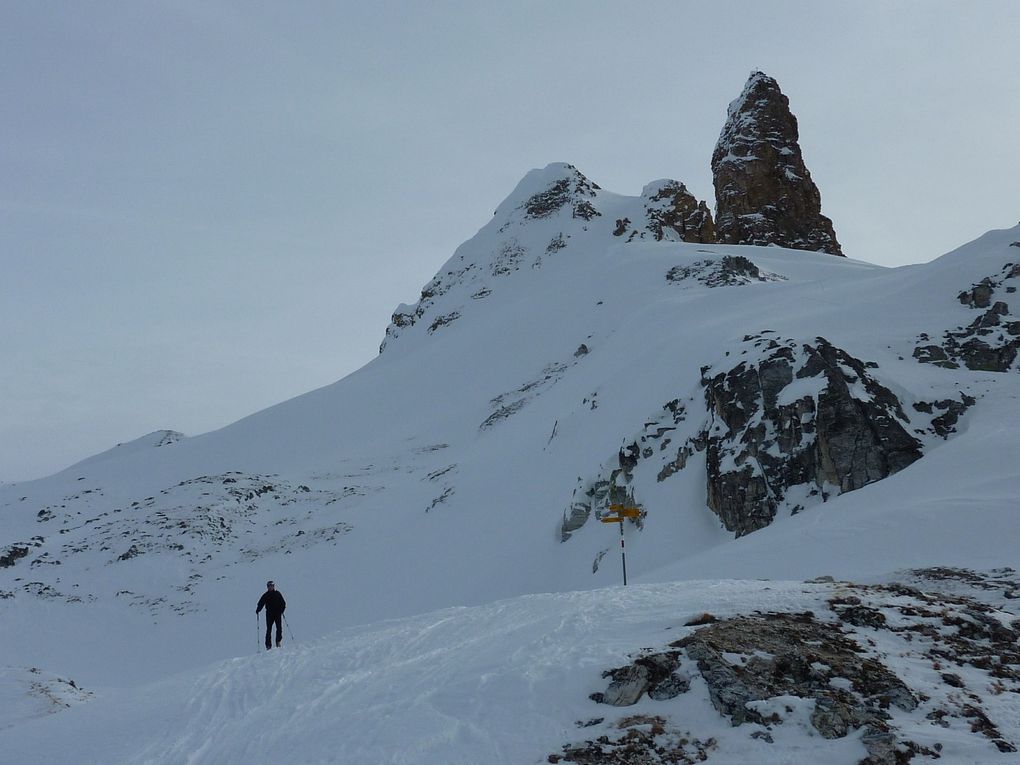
153	440
554	214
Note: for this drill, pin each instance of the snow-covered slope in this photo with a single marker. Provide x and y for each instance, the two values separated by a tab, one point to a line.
774	413
514	681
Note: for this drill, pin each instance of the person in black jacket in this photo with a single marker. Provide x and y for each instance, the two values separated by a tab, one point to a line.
275	605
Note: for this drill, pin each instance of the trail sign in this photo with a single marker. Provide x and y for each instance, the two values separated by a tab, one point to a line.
618	514
626	512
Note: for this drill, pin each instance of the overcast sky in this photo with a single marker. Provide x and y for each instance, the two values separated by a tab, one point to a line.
209	207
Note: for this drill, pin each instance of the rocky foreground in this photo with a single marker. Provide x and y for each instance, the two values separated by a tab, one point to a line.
899	667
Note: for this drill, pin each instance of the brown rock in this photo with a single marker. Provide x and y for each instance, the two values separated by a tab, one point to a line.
673	212
764	193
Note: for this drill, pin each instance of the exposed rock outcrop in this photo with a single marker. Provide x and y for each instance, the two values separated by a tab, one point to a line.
729	271
949	410
570	188
764	196
167	437
811	416
13	554
764	192
657	675
991	342
674	213
796	655
946	665
786	428
668	212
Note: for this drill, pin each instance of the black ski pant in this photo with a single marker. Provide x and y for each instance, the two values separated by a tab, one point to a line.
272	619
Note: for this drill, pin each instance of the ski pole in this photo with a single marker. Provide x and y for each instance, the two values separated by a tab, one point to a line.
258	642
288	627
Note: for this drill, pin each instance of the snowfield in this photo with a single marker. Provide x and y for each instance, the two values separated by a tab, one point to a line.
505	682
434	523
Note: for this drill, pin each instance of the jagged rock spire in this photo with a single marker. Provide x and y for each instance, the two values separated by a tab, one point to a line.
764	193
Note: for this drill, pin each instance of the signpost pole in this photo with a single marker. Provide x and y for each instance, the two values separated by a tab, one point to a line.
618	514
623	554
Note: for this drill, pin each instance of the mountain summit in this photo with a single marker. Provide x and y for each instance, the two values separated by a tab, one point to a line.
764	192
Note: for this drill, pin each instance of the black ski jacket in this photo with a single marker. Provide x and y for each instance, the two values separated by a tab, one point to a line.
273	602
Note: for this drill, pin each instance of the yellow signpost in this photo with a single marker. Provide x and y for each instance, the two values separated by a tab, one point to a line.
618	514
625	512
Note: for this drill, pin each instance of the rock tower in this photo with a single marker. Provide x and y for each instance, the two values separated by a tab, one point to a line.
764	193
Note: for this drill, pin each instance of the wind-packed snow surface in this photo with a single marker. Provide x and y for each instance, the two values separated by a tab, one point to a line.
511	682
561	351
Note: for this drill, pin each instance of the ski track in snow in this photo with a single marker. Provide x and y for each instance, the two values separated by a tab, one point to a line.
504	683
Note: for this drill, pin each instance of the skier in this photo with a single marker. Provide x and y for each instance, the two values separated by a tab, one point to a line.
275	605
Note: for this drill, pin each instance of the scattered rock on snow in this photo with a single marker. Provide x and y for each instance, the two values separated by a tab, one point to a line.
728	271
991	342
753	664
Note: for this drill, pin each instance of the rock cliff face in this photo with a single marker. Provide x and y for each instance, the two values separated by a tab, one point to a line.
791	425
797	423
764	193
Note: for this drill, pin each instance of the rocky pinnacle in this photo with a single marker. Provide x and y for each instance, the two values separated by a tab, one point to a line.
764	193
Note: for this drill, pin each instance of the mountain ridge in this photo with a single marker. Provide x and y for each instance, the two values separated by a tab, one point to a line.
774	414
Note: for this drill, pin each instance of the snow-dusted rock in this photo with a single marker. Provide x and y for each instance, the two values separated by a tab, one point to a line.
791	425
798	415
991	341
671	212
865	671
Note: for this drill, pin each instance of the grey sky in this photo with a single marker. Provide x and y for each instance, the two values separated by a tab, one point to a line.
209	207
